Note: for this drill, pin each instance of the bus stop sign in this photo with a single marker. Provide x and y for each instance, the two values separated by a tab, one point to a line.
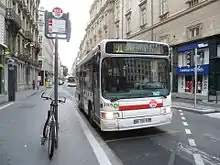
57	12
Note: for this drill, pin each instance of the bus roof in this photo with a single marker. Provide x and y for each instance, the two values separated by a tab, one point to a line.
100	46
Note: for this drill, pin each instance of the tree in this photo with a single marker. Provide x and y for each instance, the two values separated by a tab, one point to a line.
65	70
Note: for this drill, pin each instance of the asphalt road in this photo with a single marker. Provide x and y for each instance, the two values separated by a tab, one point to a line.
191	139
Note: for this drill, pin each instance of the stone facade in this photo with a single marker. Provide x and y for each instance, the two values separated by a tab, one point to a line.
22	39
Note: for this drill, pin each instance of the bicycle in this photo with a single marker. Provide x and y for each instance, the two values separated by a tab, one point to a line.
51	126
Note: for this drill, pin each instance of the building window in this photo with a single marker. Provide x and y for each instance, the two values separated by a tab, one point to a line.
128	24
117	30
192	3
128	5
194	32
163	7
40	40
143	13
117	10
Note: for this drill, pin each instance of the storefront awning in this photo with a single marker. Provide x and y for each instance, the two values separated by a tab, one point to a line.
3	45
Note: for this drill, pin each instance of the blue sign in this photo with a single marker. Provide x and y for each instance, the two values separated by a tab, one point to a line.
193	46
190	70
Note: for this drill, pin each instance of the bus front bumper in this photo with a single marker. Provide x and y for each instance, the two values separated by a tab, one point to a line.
129	123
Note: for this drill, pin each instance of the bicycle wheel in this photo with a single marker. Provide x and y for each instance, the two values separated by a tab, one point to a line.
45	129
51	140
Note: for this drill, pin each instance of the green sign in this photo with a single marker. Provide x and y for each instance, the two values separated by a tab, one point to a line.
128	47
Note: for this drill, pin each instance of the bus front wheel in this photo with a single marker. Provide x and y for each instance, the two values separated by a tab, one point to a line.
91	114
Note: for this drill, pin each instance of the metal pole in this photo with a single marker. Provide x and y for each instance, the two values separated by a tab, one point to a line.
195	84
56	86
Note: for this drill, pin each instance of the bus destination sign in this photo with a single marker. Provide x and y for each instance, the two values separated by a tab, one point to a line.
136	48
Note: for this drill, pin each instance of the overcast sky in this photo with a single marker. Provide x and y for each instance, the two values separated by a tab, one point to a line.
79	15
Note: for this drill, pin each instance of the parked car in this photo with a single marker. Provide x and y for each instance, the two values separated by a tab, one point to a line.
61	82
71	82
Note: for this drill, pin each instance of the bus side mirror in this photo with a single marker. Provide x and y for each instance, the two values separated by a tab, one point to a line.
96	61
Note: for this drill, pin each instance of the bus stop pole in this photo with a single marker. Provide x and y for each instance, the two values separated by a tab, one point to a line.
195	85
56	86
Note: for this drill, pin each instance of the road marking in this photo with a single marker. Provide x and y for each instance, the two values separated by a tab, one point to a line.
180	111
181	114
214	115
6	105
142	137
188	131
185	123
183	118
198	159
98	150
192	142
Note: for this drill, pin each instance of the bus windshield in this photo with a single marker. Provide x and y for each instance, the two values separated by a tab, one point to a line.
71	80
135	77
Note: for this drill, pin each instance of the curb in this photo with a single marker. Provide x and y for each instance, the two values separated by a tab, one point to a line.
35	93
185	98
200	111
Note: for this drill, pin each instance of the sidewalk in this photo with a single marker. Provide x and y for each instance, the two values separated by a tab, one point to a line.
200	108
22	95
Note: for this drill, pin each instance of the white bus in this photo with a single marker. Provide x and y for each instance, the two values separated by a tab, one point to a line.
125	84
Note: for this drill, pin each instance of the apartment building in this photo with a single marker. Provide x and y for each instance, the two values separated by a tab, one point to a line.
3	46
22	39
46	54
185	25
100	26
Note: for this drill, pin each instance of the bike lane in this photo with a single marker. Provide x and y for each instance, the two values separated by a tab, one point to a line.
21	127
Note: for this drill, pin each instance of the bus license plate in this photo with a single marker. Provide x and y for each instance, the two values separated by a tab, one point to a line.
141	121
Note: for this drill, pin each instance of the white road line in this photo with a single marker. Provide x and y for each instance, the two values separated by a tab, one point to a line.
192	142
180	111
142	137
6	105
188	131
98	150
185	123
181	114
198	159
183	118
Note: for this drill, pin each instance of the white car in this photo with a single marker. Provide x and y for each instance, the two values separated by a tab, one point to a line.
71	84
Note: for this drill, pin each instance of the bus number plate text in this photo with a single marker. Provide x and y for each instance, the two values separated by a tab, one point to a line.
141	121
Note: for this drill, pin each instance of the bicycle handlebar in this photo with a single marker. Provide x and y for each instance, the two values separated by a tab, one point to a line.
49	98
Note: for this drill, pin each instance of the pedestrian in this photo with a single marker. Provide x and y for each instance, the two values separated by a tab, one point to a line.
38	85
33	84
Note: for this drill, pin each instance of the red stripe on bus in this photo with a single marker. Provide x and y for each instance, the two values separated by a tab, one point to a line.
138	107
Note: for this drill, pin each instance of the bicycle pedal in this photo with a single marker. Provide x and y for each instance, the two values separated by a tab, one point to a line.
43	140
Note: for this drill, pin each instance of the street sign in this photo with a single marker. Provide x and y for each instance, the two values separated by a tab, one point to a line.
57	12
57	24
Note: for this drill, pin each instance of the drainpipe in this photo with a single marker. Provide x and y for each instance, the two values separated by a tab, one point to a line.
152	20
122	20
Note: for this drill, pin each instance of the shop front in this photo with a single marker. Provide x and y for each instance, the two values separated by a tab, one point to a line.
185	71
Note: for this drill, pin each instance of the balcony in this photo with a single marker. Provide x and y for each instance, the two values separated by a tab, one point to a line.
2	5
13	18
28	35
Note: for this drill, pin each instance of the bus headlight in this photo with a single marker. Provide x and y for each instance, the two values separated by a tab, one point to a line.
165	110
109	115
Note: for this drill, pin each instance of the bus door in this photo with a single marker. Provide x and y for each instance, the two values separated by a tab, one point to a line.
96	88
81	89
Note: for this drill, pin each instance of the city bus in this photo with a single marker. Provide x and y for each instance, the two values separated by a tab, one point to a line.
125	85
